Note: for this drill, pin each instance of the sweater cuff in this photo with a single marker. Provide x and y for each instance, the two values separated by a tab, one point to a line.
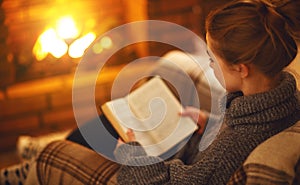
129	150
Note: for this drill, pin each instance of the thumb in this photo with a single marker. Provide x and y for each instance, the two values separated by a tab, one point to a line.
130	135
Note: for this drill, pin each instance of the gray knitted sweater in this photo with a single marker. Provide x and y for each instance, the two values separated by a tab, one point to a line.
249	121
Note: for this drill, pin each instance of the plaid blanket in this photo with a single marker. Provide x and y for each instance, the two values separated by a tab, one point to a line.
64	162
276	161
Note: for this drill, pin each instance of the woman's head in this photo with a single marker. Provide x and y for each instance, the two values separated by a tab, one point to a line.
256	32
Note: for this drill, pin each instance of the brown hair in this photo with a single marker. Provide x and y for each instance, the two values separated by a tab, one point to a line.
262	32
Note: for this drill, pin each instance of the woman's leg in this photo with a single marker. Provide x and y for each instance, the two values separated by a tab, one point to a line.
64	162
97	134
72	154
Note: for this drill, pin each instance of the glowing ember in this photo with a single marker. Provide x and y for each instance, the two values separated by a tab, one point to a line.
78	47
104	43
66	28
53	41
49	42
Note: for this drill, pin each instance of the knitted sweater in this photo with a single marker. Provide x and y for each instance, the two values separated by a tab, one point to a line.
249	121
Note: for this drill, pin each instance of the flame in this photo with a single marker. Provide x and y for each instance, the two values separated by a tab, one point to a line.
53	41
78	47
66	28
49	42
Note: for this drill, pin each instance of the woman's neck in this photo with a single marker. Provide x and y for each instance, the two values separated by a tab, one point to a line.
259	83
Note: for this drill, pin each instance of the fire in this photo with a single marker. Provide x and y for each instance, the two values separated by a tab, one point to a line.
78	47
49	42
53	41
66	28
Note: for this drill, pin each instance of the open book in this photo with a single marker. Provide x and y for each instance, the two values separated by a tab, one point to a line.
151	111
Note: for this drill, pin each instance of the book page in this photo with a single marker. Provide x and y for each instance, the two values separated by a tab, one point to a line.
126	119
157	108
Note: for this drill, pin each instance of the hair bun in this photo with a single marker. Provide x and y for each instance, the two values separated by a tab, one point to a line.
275	3
290	10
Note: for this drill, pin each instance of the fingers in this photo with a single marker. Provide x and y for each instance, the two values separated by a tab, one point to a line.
130	135
197	115
191	112
120	142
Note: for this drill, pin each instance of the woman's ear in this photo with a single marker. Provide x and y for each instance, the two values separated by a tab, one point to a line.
242	69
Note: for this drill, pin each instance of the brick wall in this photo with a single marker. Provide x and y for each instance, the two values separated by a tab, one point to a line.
36	97
185	13
45	105
7	71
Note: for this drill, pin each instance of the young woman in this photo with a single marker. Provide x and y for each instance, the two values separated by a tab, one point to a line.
250	43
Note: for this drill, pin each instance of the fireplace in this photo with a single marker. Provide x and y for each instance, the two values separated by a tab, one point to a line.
36	78
47	38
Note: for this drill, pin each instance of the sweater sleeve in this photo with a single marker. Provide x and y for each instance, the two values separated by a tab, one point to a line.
138	168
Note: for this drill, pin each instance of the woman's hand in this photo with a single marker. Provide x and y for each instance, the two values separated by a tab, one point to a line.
130	136
198	116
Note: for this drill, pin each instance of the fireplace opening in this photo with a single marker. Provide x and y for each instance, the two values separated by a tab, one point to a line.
48	38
